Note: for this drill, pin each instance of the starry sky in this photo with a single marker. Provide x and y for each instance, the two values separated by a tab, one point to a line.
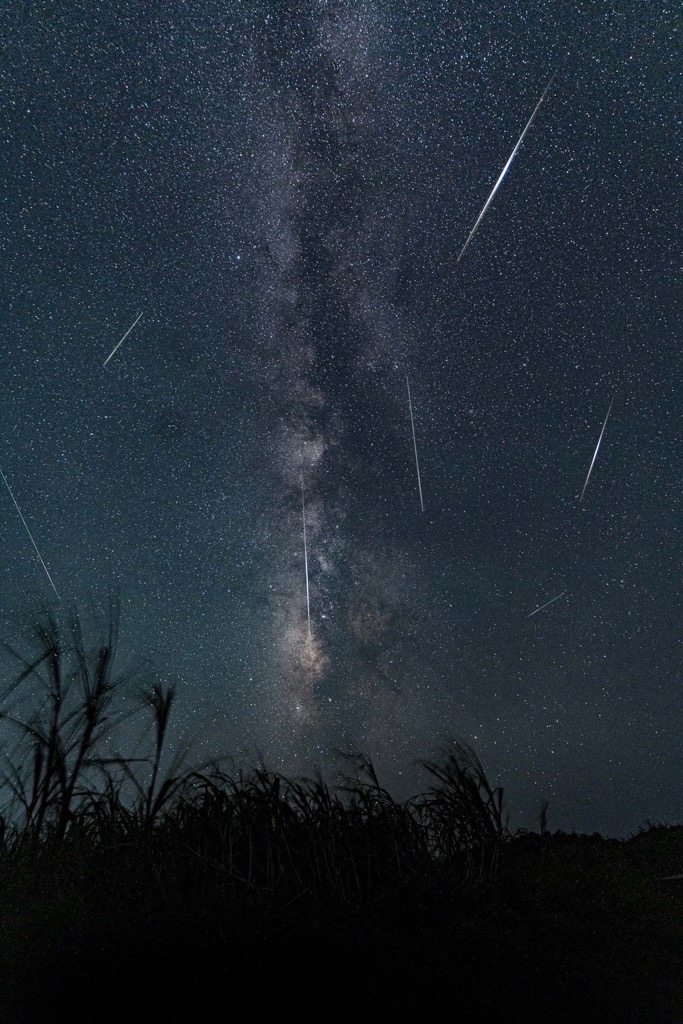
282	190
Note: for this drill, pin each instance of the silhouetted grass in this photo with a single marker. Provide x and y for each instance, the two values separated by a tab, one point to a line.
123	874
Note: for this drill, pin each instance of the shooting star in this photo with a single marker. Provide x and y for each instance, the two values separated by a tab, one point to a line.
30	534
504	172
595	454
417	464
551	601
122	339
308	593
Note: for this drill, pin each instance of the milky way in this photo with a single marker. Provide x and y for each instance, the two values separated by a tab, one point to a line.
319	221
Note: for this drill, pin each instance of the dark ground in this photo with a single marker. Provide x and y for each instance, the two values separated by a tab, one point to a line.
573	928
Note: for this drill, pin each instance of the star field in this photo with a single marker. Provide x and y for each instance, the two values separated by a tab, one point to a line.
282	190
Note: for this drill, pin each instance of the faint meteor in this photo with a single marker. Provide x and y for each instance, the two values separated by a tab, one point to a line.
551	601
504	172
595	454
30	534
417	464
308	593
122	339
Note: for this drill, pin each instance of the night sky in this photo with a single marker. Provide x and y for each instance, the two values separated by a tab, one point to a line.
282	190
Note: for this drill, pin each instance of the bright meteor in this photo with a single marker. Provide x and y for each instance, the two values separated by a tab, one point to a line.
595	454
21	516
308	594
122	339
504	172
551	601
417	464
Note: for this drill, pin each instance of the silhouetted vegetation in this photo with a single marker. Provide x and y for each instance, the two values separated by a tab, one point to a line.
126	874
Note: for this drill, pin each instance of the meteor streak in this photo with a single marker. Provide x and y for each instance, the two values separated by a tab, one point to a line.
308	594
504	172
122	339
551	601
30	534
417	464
595	454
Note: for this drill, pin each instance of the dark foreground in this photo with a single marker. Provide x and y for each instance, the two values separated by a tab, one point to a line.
567	928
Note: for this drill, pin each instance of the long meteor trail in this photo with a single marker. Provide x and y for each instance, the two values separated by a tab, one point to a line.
308	593
417	464
30	534
551	601
595	454
514	153
115	349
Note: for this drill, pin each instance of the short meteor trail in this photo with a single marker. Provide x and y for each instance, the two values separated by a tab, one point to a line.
30	534
595	454
308	594
504	172
122	339
417	464
551	601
